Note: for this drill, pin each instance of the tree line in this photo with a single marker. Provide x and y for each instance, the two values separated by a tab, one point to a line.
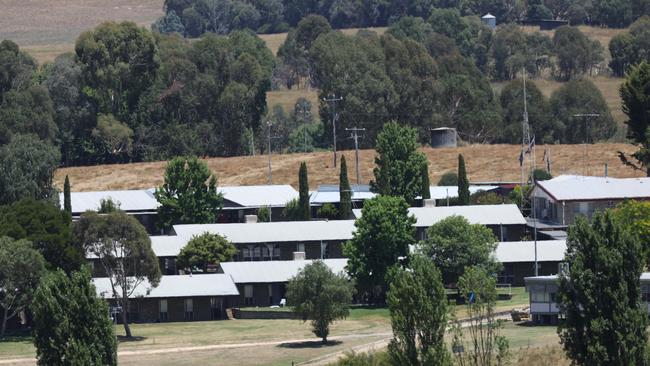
192	18
128	94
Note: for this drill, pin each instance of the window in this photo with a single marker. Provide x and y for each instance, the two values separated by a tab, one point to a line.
324	251
189	309
276	251
538	294
163	310
257	253
270	294
246	254
552	297
645	293
248	295
216	303
300	247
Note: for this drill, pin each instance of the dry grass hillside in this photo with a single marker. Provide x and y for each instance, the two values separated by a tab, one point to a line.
46	28
484	163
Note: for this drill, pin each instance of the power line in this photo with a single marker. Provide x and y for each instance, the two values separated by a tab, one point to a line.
332	100
355	136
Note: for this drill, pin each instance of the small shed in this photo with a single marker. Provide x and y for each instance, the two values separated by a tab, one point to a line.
489	20
443	137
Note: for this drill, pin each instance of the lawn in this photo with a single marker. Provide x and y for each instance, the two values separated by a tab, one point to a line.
363	326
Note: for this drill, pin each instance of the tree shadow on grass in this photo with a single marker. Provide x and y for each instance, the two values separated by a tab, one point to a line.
17	339
309	344
125	339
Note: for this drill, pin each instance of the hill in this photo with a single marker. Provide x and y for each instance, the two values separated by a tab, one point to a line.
484	163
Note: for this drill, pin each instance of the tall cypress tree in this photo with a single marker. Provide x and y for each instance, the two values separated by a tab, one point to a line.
426	193
67	203
463	183
345	192
303	198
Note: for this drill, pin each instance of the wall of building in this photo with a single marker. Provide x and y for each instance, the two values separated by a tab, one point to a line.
147	310
264	294
514	273
312	250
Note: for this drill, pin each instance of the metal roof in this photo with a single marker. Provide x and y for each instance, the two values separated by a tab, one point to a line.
129	200
585	188
442	192
524	251
476	214
329	193
645	277
259	196
216	284
269	232
167	245
273	271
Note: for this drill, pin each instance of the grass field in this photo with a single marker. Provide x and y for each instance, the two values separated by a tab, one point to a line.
494	163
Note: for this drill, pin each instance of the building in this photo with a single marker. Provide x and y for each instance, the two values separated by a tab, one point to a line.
177	298
559	200
139	203
506	221
442	194
264	283
240	201
277	240
543	297
329	193
518	259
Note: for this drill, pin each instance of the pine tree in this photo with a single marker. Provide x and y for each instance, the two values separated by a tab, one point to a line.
67	203
345	192
426	193
463	183
303	197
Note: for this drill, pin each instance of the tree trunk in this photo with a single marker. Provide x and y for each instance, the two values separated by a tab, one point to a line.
3	328
125	321
324	339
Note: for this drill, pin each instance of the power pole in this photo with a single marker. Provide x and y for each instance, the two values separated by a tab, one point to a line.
268	124
355	136
585	137
332	99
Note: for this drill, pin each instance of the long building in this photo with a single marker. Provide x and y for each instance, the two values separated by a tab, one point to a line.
264	283
176	298
278	240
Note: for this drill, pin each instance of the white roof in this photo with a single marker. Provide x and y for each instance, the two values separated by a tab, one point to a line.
268	232
584	188
259	196
216	284
476	214
488	16
442	192
130	200
273	271
329	193
167	245
524	251
645	277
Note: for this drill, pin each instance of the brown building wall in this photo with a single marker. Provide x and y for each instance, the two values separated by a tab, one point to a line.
147	310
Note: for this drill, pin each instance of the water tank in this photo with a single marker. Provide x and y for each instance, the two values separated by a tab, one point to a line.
443	137
489	20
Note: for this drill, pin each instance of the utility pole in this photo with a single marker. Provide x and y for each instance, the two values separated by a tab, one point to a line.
355	136
585	137
332	99
268	124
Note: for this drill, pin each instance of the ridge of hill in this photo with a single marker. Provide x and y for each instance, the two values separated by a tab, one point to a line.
485	163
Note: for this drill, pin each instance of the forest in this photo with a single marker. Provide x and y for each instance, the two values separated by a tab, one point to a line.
194	17
129	94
